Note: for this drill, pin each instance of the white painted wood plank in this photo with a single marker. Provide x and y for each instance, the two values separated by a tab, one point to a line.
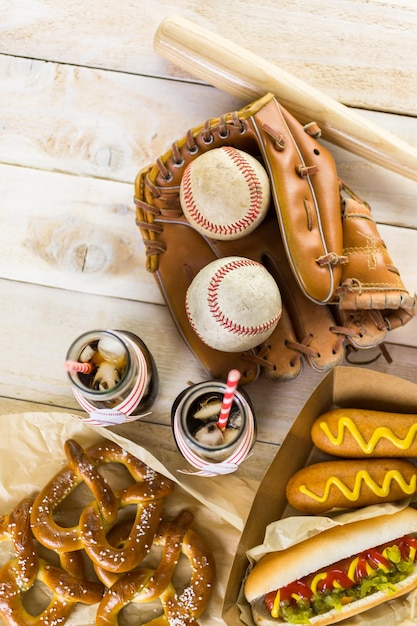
95	123
362	53
110	125
72	232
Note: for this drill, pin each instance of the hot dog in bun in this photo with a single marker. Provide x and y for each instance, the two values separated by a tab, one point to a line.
337	573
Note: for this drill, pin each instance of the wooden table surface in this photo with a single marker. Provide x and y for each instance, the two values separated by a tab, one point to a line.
85	102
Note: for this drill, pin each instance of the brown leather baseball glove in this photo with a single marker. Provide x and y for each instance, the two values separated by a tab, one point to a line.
338	284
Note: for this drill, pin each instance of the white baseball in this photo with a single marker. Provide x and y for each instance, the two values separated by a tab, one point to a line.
225	193
233	304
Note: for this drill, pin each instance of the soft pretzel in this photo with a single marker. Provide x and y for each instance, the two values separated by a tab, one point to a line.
143	585
148	484
107	538
15	526
80	468
66	583
66	591
137	545
84	466
117	536
147	495
170	535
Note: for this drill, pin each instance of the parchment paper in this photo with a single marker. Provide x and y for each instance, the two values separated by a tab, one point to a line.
31	452
288	531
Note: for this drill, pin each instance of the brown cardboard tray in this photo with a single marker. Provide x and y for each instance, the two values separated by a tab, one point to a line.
342	387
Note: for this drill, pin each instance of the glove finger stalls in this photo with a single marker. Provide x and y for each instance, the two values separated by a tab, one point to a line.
363	329
369	279
281	361
314	324
369	328
399	317
322	347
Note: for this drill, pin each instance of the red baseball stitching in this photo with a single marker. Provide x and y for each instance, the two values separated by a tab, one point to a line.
214	307
255	194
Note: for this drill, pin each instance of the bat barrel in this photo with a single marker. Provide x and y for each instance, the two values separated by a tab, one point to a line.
239	72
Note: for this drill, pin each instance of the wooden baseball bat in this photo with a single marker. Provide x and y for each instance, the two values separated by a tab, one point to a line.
237	71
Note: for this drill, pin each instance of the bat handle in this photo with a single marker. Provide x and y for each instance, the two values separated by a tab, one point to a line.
241	73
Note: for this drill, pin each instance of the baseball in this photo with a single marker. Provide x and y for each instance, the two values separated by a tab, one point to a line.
233	304
225	193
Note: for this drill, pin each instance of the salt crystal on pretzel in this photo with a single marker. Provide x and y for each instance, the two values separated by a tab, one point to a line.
115	546
144	584
136	546
80	468
19	575
66	591
149	487
15	526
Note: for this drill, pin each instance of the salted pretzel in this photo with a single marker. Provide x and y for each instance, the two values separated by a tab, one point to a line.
79	469
66	591
116	537
142	531
19	575
107	538
170	535
144	584
15	526
97	518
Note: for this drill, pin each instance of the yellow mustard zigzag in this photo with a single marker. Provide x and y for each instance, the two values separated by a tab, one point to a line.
382	432
363	477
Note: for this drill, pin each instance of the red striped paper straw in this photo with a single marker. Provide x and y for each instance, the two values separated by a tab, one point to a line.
231	384
76	366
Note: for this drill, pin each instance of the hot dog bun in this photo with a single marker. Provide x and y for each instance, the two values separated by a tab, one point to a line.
350	484
365	433
278	569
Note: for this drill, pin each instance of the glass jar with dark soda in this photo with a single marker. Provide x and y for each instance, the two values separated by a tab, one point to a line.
114	370
194	415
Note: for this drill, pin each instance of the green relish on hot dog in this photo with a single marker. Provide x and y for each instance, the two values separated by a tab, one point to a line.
338	573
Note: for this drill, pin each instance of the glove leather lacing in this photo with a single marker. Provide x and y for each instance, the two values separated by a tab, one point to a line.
222	127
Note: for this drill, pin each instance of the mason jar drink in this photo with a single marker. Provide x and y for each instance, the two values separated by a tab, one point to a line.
210	449
113	375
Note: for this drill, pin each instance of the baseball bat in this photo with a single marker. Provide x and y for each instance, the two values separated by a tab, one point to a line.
241	73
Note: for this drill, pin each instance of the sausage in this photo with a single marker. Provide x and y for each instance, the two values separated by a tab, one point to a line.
350	484
363	433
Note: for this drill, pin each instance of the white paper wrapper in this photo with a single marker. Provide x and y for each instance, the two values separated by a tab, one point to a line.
288	531
31	452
